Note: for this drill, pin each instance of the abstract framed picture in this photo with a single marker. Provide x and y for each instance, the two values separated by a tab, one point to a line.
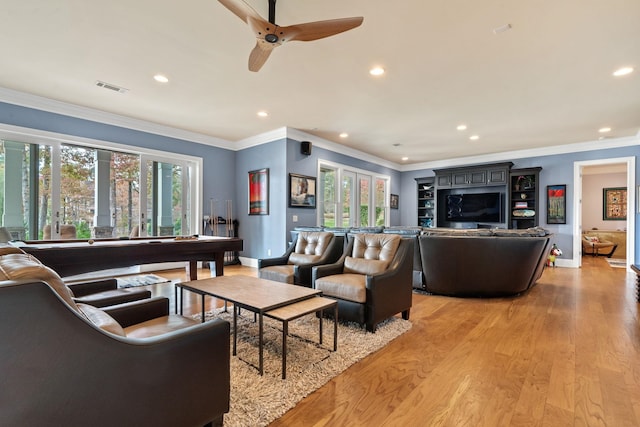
394	202
302	191
556	204
259	192
614	207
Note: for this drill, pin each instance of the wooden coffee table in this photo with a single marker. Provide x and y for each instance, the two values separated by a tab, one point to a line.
251	293
294	311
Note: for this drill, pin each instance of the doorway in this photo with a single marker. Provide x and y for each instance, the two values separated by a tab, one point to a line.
606	167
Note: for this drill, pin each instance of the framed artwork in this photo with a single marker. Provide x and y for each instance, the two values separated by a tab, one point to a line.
302	191
556	204
394	201
259	192
614	207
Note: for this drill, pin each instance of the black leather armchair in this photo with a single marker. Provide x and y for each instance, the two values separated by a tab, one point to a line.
372	281
71	364
310	249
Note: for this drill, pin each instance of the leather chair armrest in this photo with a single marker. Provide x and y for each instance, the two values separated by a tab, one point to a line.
82	289
303	273
281	260
131	313
326	270
267	262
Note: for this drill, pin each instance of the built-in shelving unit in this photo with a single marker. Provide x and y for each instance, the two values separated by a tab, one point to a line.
426	202
524	208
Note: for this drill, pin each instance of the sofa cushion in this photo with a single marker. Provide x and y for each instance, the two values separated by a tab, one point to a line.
302	259
159	326
350	287
101	319
278	273
16	266
372	253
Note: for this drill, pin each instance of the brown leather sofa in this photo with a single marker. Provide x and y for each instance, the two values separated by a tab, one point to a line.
372	281
70	364
310	249
483	262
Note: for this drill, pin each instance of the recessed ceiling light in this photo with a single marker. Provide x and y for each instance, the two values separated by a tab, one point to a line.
474	137
376	71
160	78
623	71
462	127
263	114
344	135
404	159
604	130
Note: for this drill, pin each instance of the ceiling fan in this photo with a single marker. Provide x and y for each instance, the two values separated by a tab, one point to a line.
269	35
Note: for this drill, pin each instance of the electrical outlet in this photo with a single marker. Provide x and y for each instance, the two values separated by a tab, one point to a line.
268	252
295	218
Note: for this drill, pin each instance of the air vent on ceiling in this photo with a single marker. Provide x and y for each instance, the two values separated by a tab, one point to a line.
111	87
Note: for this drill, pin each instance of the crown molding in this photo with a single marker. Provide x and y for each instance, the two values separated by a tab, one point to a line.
299	135
59	107
531	152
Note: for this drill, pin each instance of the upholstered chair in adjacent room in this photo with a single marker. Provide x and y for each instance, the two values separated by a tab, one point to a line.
312	248
372	281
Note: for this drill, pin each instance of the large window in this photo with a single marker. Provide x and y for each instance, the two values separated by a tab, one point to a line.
352	197
55	190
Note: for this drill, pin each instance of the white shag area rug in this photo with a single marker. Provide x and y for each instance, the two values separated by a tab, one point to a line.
258	400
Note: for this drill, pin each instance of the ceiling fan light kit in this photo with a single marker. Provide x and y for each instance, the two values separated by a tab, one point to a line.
269	35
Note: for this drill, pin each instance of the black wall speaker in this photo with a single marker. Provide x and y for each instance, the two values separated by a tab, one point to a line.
305	148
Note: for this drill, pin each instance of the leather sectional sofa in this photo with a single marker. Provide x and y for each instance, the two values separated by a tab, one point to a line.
483	262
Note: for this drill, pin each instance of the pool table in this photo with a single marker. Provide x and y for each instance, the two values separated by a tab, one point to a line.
71	257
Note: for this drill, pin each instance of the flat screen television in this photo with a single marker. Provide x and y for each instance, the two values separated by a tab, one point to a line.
474	207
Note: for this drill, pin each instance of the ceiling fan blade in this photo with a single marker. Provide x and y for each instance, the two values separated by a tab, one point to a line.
321	29
259	55
241	9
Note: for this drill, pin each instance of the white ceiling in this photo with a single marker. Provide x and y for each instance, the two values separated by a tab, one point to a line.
545	82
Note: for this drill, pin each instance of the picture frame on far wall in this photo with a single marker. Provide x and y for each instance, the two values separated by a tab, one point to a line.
259	192
557	204
302	191
394	201
614	206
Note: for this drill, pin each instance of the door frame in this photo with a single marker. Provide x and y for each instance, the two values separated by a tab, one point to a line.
578	166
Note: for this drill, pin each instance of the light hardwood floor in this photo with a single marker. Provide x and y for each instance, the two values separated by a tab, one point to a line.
565	354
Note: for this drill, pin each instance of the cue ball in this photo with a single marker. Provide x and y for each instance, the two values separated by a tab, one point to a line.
91	241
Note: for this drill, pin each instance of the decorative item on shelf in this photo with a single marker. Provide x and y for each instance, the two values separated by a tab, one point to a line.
524	182
524	213
523	196
553	254
427	222
521	205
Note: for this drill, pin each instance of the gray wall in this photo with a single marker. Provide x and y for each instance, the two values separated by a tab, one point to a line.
556	169
225	176
263	233
217	162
